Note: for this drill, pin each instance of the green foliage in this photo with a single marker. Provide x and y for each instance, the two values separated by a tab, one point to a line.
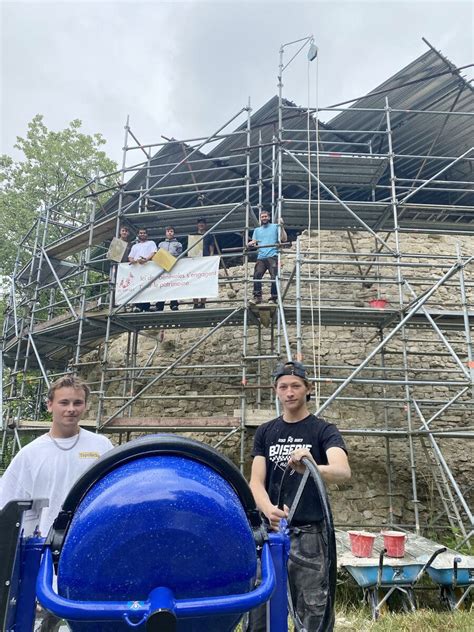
55	165
451	539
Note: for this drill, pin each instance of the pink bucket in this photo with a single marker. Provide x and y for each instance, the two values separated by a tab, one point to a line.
394	542
362	543
378	303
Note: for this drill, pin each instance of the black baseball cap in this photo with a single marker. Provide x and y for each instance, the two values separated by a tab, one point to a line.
201	220
289	368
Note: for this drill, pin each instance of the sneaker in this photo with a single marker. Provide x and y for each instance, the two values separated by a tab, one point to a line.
257	299
174	308
273	299
136	310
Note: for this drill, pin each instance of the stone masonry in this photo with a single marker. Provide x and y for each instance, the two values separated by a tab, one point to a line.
333	352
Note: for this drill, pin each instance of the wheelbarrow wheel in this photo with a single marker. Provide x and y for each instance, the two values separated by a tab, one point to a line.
450	597
372	599
409	601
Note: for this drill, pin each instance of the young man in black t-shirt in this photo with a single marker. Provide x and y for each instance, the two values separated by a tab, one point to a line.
285	441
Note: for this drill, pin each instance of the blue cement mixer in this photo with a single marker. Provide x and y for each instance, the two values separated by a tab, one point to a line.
160	535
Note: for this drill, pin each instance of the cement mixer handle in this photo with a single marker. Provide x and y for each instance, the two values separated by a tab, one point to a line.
136	613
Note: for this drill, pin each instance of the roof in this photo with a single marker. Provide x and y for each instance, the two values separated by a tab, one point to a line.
431	109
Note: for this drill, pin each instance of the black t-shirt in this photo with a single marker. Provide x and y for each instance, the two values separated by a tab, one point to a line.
276	440
126	253
206	243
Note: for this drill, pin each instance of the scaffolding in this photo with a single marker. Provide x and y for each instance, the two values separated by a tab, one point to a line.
357	194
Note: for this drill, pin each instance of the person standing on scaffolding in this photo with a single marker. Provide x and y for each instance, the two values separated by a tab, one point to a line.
118	252
284	441
124	235
267	239
208	250
141	253
175	248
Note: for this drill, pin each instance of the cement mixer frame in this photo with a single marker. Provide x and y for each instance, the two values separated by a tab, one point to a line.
29	563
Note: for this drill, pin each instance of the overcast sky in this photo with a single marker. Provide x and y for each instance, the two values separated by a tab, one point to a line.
182	69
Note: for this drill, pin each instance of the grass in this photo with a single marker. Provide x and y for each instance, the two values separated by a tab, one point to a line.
431	615
423	620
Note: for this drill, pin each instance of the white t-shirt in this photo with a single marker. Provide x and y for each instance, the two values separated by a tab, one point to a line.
42	470
143	249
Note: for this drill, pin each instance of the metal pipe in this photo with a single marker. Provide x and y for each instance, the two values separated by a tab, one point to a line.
299	340
388	453
445	466
394	205
447	405
63	292
110	311
465	310
442	337
38	358
337	199
404	320
171	366
422	186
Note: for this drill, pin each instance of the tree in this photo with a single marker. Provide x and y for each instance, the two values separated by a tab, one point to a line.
55	165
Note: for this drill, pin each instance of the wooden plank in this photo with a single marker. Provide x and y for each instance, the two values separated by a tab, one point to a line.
170	422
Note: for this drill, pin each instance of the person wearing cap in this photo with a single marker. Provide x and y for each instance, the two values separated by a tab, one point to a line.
266	238
284	441
208	250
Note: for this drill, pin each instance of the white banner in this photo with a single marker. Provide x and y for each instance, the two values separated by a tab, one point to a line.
190	278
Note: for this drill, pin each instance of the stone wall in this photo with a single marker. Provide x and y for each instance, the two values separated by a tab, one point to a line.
337	350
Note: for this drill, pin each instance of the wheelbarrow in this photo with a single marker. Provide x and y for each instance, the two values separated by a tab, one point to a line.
390	578
455	583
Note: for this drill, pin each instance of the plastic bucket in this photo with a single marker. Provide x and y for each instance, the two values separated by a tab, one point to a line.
394	543
362	543
378	303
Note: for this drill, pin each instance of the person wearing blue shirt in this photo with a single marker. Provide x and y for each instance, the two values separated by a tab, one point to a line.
266	238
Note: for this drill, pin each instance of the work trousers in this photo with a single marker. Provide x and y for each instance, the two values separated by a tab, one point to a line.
50	623
306	581
261	266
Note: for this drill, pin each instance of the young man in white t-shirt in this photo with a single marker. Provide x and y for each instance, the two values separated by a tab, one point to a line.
50	465
140	253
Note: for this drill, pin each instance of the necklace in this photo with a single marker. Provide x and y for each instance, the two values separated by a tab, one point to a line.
60	446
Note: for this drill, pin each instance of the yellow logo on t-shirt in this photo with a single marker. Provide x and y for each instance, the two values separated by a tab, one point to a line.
89	455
